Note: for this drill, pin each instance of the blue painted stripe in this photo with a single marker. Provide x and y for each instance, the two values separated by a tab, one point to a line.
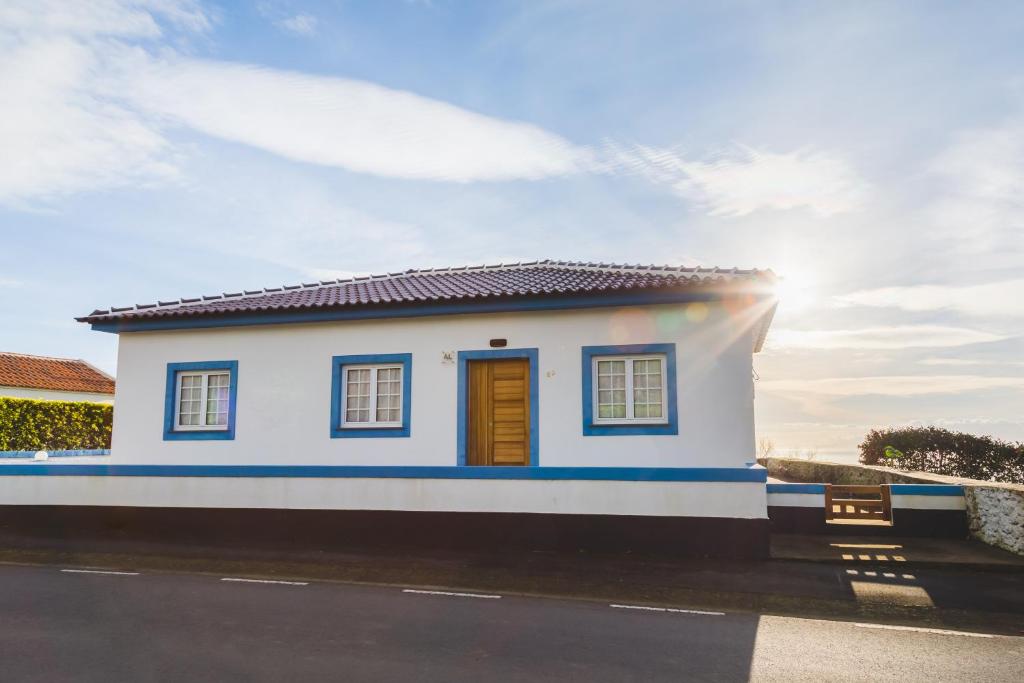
56	454
720	474
418	310
796	488
926	490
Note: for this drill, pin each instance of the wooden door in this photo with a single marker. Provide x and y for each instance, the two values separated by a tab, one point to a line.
498	414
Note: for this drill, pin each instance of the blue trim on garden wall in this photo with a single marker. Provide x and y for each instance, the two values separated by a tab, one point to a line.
211	435
463	397
337	363
695	474
894	489
592	429
487	305
818	489
56	454
926	490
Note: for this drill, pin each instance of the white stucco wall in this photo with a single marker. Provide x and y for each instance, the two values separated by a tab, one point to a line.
284	385
47	395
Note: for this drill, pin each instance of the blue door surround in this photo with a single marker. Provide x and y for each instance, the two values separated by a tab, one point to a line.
493	354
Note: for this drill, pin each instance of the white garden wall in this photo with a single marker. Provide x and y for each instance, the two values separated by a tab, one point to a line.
48	395
284	386
744	500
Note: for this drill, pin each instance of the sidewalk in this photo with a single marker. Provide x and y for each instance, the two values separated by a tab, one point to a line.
932	596
896	552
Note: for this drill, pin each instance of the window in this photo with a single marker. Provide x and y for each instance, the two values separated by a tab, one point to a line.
629	390
200	400
373	396
370	395
203	399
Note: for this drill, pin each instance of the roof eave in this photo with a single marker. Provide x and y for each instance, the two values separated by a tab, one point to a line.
766	322
489	304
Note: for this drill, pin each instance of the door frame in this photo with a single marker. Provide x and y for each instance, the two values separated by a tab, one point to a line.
461	423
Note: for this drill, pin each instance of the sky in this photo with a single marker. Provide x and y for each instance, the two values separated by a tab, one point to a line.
870	153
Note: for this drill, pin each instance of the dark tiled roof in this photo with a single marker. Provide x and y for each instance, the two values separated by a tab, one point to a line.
538	278
55	374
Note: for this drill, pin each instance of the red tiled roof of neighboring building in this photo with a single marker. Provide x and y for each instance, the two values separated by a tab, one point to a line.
55	374
538	278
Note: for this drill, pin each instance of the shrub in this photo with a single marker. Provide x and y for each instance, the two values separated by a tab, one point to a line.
30	425
941	451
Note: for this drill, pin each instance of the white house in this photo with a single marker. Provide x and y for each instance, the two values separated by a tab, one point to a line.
53	379
544	403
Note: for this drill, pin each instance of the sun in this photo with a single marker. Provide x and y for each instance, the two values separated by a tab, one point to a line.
796	289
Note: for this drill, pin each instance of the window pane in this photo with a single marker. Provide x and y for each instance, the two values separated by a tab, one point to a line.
611	367
611	389
647	389
357	399
389	390
217	399
189	403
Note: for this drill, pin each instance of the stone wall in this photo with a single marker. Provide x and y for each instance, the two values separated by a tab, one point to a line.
995	511
996	514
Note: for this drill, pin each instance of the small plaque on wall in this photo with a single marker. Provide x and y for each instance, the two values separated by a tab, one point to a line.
447	358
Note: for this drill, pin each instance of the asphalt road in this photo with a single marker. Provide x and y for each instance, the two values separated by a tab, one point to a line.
60	625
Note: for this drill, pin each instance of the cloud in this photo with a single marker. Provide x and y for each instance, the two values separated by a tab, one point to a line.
978	201
905	385
119	18
999	299
743	180
895	337
92	100
301	24
966	362
59	133
11	283
349	124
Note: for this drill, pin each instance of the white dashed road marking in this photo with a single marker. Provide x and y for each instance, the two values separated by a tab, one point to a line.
669	609
456	595
98	571
283	583
934	631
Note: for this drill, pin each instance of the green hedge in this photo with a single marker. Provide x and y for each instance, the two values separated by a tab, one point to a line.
30	425
941	451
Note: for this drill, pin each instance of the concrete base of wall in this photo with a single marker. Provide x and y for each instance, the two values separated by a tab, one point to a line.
906	523
339	530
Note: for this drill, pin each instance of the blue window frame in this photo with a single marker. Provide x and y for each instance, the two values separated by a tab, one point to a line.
463	362
198	430
341	427
667	424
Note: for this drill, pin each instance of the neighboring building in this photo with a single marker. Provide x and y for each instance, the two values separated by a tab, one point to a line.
53	379
613	404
